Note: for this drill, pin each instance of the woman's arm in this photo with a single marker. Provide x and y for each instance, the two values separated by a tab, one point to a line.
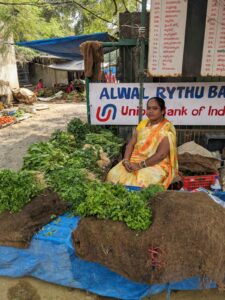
161	153
128	152
130	146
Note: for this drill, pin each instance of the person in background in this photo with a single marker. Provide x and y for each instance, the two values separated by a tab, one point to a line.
150	156
110	77
70	87
103	76
39	86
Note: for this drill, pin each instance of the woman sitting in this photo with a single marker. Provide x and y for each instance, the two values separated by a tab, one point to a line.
150	156
70	87
39	86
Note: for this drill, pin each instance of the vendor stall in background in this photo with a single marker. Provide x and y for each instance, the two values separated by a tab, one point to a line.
178	66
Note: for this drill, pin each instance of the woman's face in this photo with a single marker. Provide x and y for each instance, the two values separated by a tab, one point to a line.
154	111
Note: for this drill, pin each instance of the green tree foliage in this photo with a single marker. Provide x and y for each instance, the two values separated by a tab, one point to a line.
107	9
29	22
39	19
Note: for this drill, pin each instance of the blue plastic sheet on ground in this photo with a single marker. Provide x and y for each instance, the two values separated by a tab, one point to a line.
221	195
51	258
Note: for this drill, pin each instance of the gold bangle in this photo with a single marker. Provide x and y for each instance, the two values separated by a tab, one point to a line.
126	161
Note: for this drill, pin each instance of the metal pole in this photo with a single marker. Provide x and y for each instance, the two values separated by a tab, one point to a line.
142	56
87	81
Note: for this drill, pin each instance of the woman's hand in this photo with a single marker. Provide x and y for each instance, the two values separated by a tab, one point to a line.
127	165
134	167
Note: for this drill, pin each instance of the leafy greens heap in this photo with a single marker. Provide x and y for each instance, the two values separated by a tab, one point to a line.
69	162
16	189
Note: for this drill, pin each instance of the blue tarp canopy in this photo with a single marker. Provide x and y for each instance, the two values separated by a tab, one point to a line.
66	47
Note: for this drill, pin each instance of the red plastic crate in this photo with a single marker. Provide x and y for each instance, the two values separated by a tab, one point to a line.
193	182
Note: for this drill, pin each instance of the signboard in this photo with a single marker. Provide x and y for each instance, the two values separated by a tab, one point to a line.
188	103
167	33
213	59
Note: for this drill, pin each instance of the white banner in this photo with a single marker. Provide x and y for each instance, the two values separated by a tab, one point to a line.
167	33
187	103
213	59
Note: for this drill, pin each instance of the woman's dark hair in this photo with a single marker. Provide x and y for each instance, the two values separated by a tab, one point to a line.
160	102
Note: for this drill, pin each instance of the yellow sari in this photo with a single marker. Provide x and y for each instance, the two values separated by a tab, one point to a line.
148	140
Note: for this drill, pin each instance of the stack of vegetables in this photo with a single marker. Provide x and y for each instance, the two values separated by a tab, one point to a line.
6	120
73	164
16	189
75	96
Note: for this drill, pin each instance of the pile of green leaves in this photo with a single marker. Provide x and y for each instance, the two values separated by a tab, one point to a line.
85	159
19	113
16	189
106	140
44	157
107	201
63	140
78	129
74	96
71	184
67	165
71	181
52	155
96	136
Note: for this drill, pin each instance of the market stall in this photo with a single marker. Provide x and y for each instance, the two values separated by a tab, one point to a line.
73	164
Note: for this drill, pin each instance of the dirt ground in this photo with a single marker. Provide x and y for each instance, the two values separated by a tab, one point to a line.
34	289
14	141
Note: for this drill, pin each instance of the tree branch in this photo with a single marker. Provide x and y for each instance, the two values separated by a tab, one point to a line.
125	5
115	4
57	3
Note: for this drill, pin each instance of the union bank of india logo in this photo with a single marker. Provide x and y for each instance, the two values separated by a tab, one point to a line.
105	113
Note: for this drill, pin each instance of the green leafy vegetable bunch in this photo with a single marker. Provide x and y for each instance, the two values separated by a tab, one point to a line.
106	140
63	140
78	129
107	201
91	134
44	157
16	189
71	184
85	159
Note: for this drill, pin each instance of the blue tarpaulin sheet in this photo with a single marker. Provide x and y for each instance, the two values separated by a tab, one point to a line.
66	47
51	258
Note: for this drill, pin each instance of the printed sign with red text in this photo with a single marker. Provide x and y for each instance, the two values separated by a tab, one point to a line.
188	103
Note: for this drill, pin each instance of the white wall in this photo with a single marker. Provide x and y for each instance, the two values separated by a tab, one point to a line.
8	68
49	76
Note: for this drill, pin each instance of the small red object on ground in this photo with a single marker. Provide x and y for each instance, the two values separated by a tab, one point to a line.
157	257
194	182
6	119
